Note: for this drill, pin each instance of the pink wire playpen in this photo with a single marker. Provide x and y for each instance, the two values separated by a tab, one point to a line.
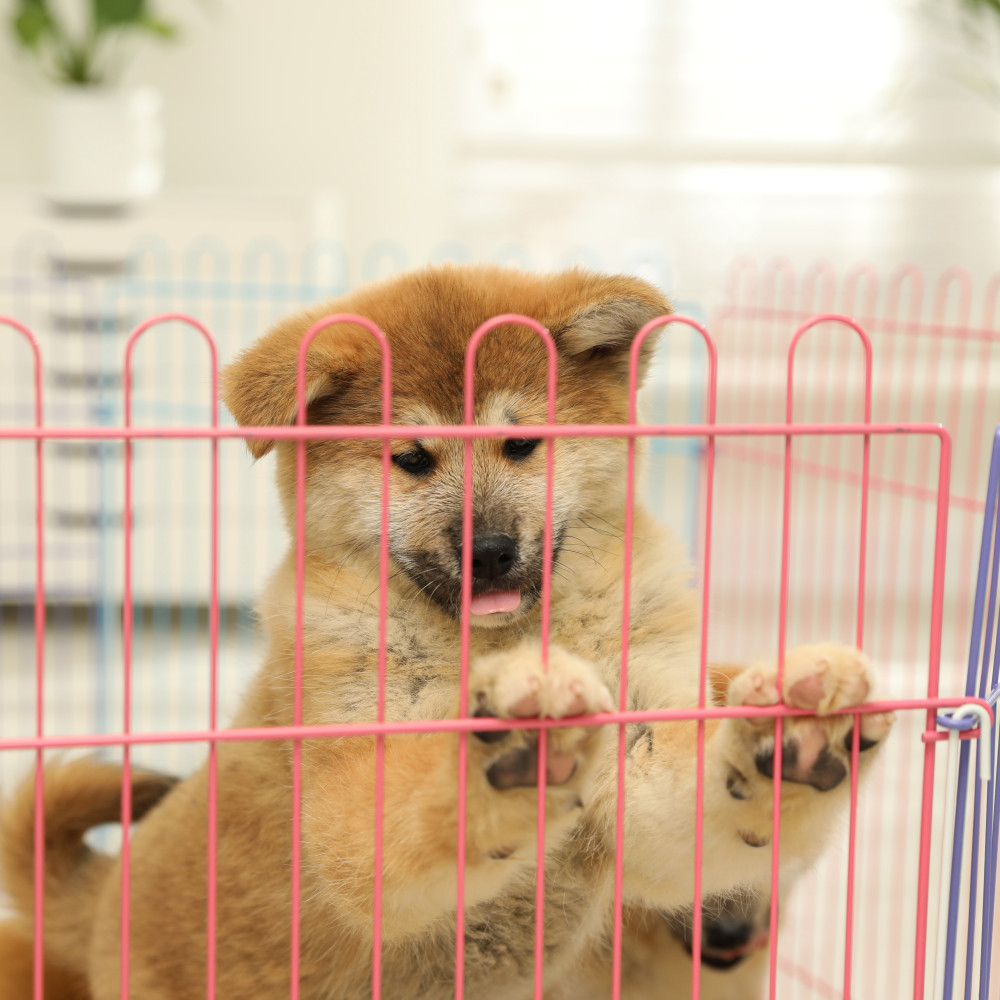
839	448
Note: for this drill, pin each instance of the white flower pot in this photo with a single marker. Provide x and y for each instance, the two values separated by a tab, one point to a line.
102	148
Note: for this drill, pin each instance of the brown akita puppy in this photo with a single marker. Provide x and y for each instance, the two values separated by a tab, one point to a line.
428	317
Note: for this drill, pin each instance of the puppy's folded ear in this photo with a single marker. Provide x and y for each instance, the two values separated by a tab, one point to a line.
610	311
259	387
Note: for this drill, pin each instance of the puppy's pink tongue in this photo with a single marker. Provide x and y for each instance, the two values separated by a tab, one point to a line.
498	600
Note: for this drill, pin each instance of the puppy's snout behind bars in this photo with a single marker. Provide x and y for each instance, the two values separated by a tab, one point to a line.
493	555
728	932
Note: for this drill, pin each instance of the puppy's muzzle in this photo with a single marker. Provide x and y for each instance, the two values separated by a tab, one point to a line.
493	556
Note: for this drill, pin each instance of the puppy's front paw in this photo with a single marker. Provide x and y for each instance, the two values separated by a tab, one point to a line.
821	679
513	685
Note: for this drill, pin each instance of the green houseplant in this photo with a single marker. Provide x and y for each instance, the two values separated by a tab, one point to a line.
101	141
84	57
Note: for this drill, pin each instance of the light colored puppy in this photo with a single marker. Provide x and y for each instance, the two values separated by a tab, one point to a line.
428	317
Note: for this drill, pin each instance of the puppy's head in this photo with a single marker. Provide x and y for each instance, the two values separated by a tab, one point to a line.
428	317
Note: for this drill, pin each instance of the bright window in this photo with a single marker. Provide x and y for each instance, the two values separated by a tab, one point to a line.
655	74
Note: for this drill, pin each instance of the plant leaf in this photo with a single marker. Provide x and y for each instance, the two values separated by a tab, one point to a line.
72	68
993	5
155	26
108	13
31	24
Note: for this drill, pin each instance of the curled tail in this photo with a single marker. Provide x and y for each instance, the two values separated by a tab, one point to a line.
78	795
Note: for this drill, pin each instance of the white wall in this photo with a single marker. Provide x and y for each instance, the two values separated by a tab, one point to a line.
363	99
295	96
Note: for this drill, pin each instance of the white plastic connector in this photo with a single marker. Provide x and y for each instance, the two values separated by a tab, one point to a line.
983	717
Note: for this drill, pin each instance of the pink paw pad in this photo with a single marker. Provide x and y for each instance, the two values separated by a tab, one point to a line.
811	742
809	691
559	768
529	704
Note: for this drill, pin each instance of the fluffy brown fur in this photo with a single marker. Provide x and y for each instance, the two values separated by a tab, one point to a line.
428	317
17	970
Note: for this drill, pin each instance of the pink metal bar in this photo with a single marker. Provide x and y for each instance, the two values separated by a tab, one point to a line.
745	288
356	729
914	327
832	472
617	931
778	289
940	737
741	292
867	273
859	640
852	854
951	277
127	625
737	276
933	674
913	276
778	727
977	420
38	981
953	285
911	279
332	432
811	493
821	278
507	319
213	628
779	282
783	618
301	401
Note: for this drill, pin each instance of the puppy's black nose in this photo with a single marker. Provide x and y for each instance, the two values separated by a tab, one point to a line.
492	556
727	932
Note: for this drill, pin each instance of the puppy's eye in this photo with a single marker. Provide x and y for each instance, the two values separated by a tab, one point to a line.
520	448
416	462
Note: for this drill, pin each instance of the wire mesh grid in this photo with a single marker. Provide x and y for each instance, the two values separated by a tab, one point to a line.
766	604
936	358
